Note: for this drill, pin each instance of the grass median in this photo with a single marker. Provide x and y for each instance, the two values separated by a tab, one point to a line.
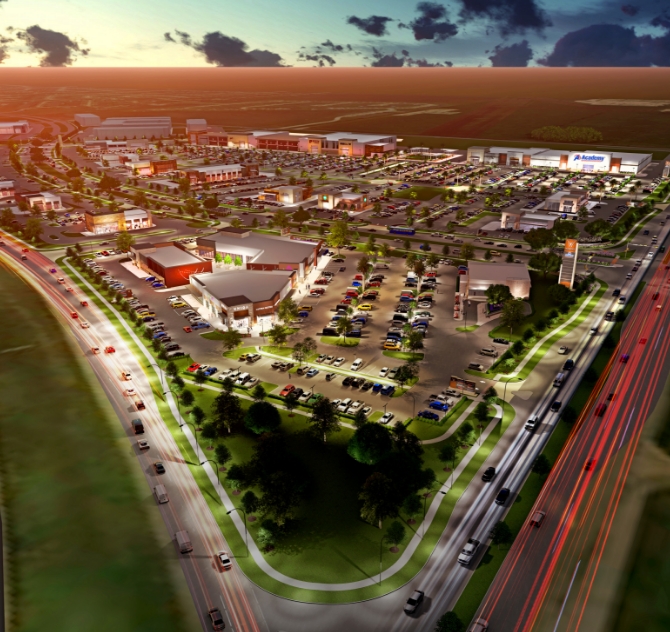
79	545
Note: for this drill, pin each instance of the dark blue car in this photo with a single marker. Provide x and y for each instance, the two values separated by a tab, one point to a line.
376	387
304	314
210	371
427	414
388	390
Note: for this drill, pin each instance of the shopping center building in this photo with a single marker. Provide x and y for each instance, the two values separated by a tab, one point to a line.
104	221
540	157
241	298
482	275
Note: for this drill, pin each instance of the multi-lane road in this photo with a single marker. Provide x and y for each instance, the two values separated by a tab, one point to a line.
247	607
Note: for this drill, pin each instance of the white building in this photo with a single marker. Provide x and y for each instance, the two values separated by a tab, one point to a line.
212	173
14	127
127	127
481	276
7	189
196	125
87	120
540	157
45	201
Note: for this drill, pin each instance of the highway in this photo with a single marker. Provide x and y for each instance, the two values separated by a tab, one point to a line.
186	509
546	580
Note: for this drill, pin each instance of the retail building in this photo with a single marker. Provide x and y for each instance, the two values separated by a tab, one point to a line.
257	251
285	195
7	189
172	265
125	127
45	201
104	221
481	276
240	299
540	157
329	200
87	120
14	127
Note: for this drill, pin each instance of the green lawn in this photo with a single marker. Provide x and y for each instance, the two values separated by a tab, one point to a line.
339	341
468	328
472	220
422	193
407	356
213	335
426	429
79	545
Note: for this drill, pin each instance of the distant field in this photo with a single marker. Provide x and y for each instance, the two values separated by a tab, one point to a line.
79	547
499	104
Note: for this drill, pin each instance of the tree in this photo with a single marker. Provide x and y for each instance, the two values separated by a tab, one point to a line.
187	397
569	415
231	339
301	216
237	477
446	250
6	217
540	238
222	454
277	334
370	444
467	252
414	341
412	505
258	393
490	394
419	268
396	533
559	294
262	417
498	293
407	372
512	313
226	411
360	418
209	432
291	403
449	622
287	310
564	229
501	534
598	228
590	375
378	497
211	202
108	183
324	419
250	503
363	265
344	326
448	452
200	378
465	431
545	262
340	235
33	228
541	465
487	255
178	382
481	412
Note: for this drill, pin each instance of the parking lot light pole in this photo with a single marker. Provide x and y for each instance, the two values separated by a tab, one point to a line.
246	531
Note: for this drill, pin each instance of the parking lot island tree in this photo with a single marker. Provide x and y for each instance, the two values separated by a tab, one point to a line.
287	310
230	339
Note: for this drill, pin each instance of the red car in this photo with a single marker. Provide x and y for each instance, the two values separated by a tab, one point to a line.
321	282
289	388
193	368
346	301
83	303
25	250
188	330
375	284
318	290
110	350
74	314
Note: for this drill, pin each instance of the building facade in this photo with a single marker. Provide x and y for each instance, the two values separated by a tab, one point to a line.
44	201
120	128
481	276
87	120
14	127
171	264
7	189
285	195
103	221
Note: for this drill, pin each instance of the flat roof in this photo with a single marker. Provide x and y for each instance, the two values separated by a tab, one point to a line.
262	248
213	168
171	256
243	286
497	272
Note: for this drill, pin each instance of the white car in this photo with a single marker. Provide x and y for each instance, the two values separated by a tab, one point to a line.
563	350
329	359
357	364
393	372
84	324
353	408
321	358
338	362
367	410
126	375
386	417
344	404
142	444
130	392
224	560
384	372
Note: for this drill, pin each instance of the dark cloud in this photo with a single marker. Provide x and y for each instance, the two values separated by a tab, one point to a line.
223	50
168	37
320	59
510	16
630	9
336	48
386	61
607	45
662	21
374	25
432	23
514	55
57	49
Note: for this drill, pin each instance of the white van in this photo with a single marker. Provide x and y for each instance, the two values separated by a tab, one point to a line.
381	266
242	379
161	494
532	423
489	351
558	380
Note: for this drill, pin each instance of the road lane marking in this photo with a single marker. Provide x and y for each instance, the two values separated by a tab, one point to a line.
560	614
560	533
623	437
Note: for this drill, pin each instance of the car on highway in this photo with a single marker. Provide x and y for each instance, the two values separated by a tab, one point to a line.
223	560
556	406
216	619
159	467
503	496
590	464
414	602
563	350
142	444
489	474
468	551
84	324
624	358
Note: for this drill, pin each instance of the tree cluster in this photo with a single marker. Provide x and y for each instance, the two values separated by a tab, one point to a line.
569	134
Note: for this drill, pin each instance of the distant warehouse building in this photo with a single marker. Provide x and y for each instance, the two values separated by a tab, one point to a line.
14	127
87	120
540	157
240	299
134	127
171	264
481	276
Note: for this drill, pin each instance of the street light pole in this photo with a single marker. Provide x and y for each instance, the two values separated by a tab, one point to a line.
195	432
246	531
381	543
423	523
216	468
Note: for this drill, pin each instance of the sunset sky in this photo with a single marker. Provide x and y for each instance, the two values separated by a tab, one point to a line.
343	33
